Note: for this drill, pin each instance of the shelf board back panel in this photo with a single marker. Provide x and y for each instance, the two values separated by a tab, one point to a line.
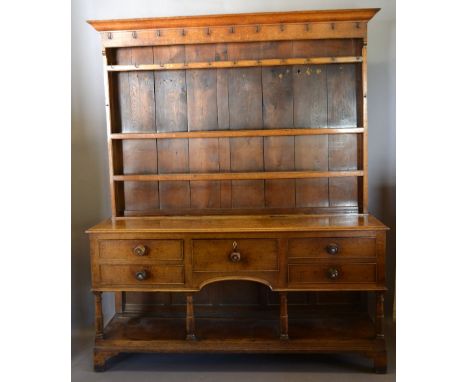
237	99
233	125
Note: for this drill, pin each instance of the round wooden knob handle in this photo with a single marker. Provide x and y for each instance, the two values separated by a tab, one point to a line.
140	250
333	273
332	248
235	257
141	275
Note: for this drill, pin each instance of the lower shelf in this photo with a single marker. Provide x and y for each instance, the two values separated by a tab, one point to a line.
352	332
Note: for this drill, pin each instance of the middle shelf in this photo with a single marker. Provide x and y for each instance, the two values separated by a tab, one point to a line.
238	175
238	133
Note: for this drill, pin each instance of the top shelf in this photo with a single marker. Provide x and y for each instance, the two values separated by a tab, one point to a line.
236	64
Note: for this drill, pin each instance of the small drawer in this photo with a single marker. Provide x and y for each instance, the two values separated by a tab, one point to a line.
141	274
219	255
331	273
321	247
144	249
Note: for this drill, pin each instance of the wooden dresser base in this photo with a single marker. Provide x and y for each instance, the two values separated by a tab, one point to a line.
259	331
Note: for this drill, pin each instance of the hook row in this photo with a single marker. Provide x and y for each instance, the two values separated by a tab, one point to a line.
232	30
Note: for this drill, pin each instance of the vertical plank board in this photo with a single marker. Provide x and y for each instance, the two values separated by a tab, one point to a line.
341	84
171	115
342	112
245	98
173	158
202	113
344	192
171	90
225	166
311	152
277	87
138	115
247	155
222	101
204	157
245	112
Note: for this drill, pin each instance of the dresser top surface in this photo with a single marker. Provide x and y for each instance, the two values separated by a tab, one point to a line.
243	223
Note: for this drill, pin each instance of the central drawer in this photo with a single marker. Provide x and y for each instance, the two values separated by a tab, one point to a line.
233	255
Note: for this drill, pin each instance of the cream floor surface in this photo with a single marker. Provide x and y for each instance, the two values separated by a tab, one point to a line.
230	367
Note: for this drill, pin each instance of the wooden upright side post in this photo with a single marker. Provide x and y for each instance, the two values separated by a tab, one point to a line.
284	335
380	358
98	318
190	319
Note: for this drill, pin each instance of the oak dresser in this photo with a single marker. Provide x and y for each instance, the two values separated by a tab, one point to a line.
239	187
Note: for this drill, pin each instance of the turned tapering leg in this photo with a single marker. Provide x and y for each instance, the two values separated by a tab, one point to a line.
380	358
190	319
98	318
284	335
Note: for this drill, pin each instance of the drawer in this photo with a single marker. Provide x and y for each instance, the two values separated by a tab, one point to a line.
141	274
220	255
147	249
331	273
326	247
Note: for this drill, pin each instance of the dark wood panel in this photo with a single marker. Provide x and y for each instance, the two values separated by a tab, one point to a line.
312	193
171	115
202	113
342	112
141	196
248	193
246	154
245	98
310	110
343	152
278	110
277	85
280	193
173	158
137	109
327	47
341	84
310	95
136	91
174	195
202	109
225	165
343	192
204	157
171	91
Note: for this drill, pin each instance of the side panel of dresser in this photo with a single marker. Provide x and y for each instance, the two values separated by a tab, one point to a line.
336	260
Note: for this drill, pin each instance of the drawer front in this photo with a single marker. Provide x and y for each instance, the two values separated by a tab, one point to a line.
321	247
331	273
144	249
141	274
231	255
